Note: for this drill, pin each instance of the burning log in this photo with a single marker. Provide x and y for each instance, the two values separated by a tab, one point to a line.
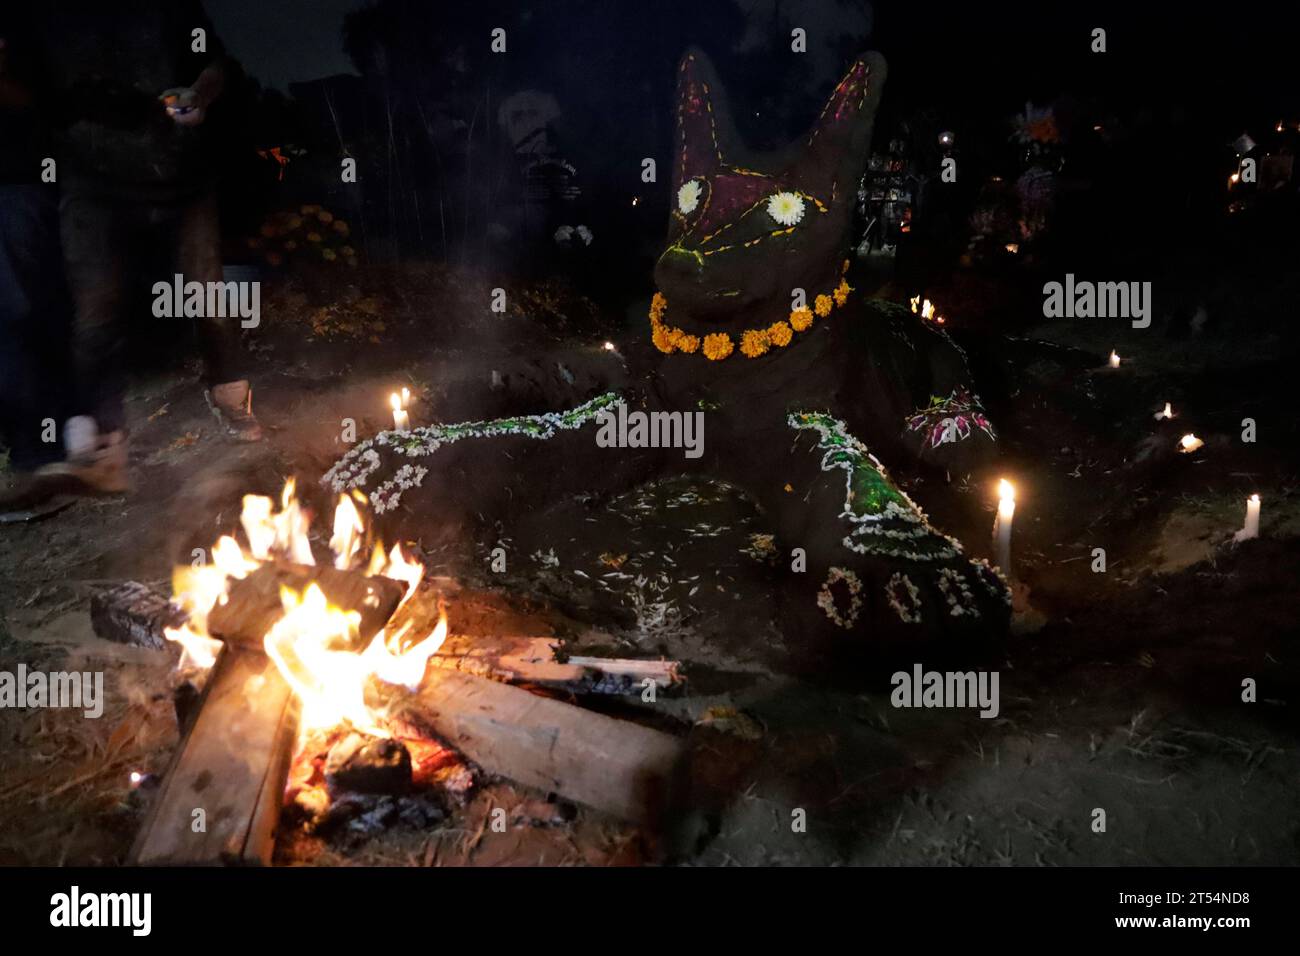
221	797
369	765
488	642
611	765
532	660
133	613
254	605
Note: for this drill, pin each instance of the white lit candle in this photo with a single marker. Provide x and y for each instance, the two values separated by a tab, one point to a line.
401	420
406	396
1189	443
1002	526
1165	412
1251	530
1114	359
609	347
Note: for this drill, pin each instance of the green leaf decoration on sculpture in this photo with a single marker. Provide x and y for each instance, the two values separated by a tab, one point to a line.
883	520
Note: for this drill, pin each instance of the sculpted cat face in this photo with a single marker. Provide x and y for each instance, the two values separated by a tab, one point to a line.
746	229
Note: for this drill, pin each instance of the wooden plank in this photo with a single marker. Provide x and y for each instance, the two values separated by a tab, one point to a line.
491	638
232	765
611	765
532	660
625	675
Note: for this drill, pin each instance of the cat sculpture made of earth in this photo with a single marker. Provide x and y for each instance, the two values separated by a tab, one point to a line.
803	395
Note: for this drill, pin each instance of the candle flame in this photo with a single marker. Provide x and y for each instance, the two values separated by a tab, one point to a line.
396	401
1253	499
1006	490
1190	442
406	396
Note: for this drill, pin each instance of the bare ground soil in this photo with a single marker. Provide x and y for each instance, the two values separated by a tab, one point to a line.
1120	690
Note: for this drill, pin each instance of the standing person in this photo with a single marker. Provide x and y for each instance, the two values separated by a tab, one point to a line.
132	84
33	314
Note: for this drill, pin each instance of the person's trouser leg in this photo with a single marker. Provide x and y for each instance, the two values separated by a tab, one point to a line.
32	324
96	235
197	237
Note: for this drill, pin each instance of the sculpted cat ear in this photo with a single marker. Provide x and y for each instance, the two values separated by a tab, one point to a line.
703	126
839	142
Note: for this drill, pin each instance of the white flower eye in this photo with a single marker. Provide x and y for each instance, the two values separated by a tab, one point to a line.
688	197
786	208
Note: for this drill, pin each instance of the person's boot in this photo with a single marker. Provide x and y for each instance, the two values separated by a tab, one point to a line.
96	464
232	404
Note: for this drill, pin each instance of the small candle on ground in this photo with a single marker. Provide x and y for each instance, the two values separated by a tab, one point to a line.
401	419
1189	443
1002	525
1165	412
1114	359
1251	530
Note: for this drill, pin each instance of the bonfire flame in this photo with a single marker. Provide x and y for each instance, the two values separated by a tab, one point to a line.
312	643
347	533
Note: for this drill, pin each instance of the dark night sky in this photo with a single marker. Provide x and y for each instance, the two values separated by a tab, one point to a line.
284	41
961	54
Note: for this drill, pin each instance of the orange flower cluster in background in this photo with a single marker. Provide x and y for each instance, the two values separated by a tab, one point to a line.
753	342
312	233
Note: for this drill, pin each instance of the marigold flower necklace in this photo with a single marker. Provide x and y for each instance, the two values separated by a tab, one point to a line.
717	346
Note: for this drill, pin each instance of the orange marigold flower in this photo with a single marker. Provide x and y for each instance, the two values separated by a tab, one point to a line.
688	343
845	267
717	346
661	339
754	342
657	305
841	293
822	305
780	334
801	319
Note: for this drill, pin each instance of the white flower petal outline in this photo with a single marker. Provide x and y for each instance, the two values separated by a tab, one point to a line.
688	197
786	208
